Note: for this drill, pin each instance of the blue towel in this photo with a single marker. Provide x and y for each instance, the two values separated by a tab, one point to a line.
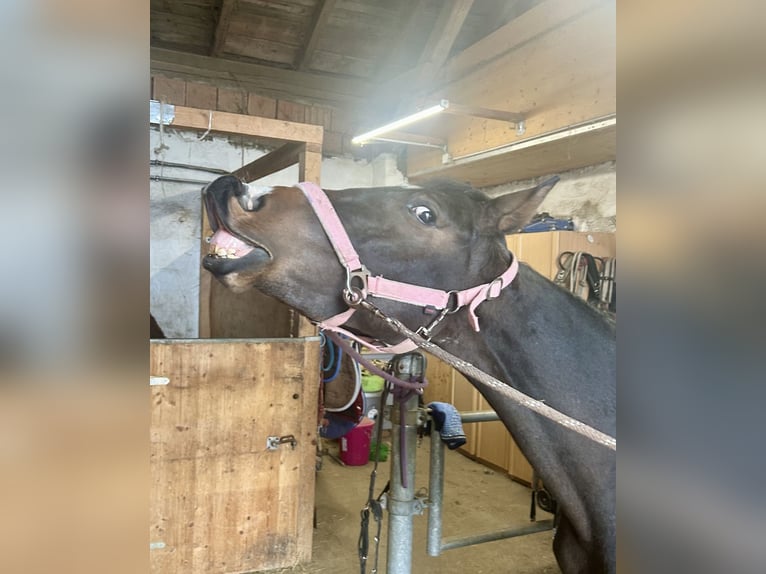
447	420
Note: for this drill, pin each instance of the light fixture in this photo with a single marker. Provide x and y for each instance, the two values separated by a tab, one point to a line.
442	106
395	125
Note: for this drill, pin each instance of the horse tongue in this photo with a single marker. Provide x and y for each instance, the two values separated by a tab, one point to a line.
224	239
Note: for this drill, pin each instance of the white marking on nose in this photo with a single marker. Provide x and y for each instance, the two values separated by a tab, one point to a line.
256	191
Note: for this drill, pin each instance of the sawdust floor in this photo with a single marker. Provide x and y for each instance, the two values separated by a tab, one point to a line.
476	500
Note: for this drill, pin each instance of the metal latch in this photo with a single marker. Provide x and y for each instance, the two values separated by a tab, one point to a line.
273	442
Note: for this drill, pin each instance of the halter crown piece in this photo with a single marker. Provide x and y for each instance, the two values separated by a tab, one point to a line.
360	284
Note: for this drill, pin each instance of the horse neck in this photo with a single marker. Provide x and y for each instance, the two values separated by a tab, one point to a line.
546	343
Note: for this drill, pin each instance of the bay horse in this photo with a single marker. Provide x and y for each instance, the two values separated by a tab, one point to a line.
533	335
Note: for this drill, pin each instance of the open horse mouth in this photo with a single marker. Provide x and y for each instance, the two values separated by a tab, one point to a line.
229	250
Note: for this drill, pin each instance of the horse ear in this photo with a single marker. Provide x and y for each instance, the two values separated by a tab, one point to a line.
512	211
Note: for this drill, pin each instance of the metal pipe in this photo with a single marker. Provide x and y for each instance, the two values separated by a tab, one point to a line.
435	494
541	526
478	416
401	500
179	180
188	166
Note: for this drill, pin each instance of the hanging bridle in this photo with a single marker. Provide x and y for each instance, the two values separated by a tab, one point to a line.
361	284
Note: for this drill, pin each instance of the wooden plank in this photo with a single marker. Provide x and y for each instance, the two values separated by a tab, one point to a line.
220	501
408	30
238	124
465	397
443	35
250	315
291	111
318	21
274	161
541	19
310	165
228	8
234	101
202	96
265	80
345	64
568	78
261	106
518	163
169	90
439	376
265	50
492	441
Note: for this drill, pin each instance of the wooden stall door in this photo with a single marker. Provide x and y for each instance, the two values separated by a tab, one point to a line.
221	502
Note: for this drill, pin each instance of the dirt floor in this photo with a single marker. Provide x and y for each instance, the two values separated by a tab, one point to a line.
477	499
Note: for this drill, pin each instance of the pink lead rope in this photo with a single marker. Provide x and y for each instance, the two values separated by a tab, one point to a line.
446	302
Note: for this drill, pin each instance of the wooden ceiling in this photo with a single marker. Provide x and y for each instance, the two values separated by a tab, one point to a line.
338	50
553	61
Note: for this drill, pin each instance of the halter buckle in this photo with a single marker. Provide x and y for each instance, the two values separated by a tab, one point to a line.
490	297
356	286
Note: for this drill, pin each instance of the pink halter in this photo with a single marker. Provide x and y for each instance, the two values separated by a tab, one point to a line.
360	285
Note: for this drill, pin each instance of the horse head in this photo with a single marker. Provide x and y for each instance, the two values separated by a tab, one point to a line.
442	235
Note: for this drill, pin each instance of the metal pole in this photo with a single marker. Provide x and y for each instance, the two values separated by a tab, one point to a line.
541	526
478	416
435	494
401	500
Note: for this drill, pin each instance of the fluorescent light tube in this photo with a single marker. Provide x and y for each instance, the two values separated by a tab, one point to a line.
393	126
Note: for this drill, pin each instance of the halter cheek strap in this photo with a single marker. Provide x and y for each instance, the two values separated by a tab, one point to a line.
360	285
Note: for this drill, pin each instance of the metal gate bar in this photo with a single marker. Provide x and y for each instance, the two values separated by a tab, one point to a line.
436	545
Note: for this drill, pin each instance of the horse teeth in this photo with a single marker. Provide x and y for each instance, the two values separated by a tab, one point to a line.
232	252
220	251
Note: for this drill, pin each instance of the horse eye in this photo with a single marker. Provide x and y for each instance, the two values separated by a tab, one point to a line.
424	215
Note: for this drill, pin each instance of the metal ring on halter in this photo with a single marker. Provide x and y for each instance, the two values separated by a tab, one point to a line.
490	297
452	297
353	296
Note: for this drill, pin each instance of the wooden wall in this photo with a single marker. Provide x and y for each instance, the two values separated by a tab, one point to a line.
490	442
220	501
339	127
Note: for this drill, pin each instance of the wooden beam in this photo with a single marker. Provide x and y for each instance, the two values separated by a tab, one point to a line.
479	112
443	36
563	150
409	14
318	21
272	162
557	79
266	80
539	20
238	124
228	7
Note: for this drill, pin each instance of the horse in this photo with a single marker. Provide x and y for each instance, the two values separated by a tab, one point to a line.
533	334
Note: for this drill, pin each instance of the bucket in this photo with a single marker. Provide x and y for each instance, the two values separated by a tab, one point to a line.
355	445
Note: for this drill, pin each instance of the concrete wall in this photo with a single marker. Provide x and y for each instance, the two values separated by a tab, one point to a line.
587	195
176	213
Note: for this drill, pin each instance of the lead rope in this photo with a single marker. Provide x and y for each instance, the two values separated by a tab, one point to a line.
480	376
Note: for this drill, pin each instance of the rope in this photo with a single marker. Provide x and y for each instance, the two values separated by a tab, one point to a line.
473	373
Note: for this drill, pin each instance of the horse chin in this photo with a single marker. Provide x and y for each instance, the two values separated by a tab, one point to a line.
238	274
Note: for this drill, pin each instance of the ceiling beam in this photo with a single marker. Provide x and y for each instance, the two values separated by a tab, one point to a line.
265	80
437	49
228	7
443	36
318	21
277	160
539	20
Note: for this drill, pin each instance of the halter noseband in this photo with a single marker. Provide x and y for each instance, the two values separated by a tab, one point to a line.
360	284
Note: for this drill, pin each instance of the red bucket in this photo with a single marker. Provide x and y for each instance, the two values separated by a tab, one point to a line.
355	444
